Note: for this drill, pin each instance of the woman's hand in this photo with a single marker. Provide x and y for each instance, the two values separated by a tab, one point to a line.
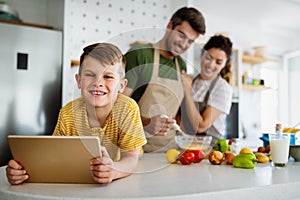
187	80
102	169
15	173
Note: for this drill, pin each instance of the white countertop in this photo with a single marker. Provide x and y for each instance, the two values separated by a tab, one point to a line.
156	179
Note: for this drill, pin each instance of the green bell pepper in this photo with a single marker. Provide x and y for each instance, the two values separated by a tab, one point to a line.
247	161
221	145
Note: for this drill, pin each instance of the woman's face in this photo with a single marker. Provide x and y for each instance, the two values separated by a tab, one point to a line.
212	62
99	84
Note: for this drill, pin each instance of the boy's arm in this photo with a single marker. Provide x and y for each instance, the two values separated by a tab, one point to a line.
127	164
104	170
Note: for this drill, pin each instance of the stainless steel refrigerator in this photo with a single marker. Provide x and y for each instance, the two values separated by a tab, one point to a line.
30	81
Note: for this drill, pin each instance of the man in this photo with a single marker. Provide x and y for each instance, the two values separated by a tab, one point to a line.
154	77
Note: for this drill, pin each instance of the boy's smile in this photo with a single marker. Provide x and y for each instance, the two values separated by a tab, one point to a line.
99	83
98	92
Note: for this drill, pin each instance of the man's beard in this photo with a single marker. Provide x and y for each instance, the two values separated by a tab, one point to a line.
168	48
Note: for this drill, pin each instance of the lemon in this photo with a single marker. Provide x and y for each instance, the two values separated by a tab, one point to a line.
245	150
171	155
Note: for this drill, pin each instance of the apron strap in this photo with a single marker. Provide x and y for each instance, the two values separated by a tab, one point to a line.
203	104
156	61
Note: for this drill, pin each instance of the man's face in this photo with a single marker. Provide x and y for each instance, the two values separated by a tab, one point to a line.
180	38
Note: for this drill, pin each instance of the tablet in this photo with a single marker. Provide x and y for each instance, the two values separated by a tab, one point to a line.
55	159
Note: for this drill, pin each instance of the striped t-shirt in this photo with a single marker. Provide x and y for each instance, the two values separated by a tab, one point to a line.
121	132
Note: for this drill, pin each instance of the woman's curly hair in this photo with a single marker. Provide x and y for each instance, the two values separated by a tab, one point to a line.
223	43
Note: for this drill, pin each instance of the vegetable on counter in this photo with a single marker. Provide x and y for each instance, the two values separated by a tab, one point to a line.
221	145
246	161
216	157
199	155
186	157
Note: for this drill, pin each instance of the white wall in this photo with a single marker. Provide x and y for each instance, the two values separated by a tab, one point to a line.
273	23
119	22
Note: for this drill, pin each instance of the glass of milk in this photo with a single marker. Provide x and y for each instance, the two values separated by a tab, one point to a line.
280	146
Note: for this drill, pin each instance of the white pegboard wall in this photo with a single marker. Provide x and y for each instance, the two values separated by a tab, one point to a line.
119	22
91	21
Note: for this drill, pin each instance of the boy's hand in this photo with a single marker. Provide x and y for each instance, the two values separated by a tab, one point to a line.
102	169
15	173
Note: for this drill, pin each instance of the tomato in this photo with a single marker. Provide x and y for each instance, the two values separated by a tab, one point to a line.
186	157
199	155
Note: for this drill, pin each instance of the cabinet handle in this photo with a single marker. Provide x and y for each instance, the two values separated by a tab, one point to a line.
75	63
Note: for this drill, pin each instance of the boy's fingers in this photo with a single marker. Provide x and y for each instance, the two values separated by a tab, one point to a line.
13	164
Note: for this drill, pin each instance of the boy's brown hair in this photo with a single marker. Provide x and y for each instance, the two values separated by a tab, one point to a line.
106	53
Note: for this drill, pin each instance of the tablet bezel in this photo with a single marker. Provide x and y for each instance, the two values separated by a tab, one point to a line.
55	159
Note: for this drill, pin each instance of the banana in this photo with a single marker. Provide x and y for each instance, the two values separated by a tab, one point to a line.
261	157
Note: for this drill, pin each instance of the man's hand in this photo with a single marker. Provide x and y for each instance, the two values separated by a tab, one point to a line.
15	173
159	126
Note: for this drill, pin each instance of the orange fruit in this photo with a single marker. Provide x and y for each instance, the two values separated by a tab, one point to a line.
245	150
229	157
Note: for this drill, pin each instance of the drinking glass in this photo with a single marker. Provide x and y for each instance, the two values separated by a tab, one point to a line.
280	146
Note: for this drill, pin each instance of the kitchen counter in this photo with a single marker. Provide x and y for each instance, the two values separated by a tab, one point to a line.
156	179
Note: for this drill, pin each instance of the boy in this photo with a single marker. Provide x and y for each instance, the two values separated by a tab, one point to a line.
103	111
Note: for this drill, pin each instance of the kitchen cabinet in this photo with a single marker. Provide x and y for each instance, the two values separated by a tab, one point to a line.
255	61
48	14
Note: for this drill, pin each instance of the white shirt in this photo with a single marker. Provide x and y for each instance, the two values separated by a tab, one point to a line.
220	98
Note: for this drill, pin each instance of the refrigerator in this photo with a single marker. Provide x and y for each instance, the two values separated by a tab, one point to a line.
31	82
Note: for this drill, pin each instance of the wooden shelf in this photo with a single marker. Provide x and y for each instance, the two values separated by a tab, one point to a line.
256	59
255	87
25	24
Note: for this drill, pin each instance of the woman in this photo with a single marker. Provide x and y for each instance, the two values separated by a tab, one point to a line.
209	92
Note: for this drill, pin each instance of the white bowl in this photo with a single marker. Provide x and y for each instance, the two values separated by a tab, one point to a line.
295	152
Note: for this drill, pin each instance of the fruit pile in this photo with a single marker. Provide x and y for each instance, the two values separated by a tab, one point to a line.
245	159
186	157
221	153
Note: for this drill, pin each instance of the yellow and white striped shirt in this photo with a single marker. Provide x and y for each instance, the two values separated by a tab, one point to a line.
122	131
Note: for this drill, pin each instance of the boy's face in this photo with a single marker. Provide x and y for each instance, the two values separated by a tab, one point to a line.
99	84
